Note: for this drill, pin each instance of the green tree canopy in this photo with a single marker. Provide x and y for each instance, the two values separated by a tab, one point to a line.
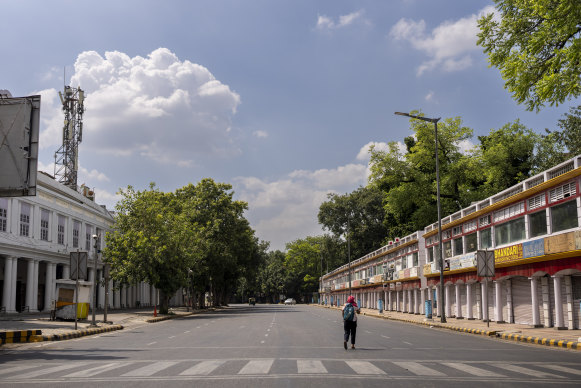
536	45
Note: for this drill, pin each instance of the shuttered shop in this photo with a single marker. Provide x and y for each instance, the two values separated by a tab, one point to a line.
522	301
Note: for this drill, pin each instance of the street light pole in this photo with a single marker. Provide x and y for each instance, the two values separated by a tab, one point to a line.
349	254
96	239
441	300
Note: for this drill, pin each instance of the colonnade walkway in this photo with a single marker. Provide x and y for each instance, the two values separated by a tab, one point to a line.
509	331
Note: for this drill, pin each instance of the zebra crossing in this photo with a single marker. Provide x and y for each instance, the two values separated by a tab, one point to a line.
241	368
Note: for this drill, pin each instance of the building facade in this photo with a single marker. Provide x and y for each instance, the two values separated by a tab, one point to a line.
37	235
533	228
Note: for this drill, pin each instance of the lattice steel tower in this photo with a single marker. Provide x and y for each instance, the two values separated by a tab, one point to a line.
66	159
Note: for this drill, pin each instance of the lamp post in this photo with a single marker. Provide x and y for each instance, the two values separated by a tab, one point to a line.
96	240
348	254
441	300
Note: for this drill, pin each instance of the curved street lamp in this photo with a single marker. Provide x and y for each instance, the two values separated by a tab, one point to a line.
441	300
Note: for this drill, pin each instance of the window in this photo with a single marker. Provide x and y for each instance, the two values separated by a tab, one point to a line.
483	221
509	212
486	238
536	202
564	216
88	235
415	259
44	222
3	214
458	249
76	233
471	242
61	229
24	219
446	234
538	224
469	226
431	254
447	249
456	230
562	192
510	232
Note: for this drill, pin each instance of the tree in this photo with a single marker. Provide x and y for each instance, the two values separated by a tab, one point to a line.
536	45
570	135
151	242
365	209
408	178
507	157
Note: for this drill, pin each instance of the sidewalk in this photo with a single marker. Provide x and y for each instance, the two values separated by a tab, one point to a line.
15	325
570	339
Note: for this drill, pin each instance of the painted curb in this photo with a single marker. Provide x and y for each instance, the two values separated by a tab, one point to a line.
489	333
79	333
18	336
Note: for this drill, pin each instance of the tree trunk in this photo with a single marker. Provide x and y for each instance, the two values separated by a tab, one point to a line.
163	303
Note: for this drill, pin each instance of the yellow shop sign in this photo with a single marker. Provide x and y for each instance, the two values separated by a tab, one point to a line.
512	253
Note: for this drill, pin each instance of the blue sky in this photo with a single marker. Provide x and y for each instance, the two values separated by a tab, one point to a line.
279	98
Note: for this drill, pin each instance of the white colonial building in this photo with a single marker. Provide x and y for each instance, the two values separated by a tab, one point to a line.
37	235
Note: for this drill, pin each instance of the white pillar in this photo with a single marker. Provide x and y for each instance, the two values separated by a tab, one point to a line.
29	284
484	298
546	301
448	304
34	306
9	283
559	321
510	310
569	299
422	301
397	306
389	301
469	314
49	286
498	301
405	301
458	301
438	304
535	302
14	279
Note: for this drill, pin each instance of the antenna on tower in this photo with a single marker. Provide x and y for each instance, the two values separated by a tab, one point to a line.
66	159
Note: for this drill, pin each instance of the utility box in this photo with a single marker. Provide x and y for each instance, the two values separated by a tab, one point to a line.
428	309
66	295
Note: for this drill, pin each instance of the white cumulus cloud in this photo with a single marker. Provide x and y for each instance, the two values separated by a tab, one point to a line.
448	46
326	23
286	209
158	107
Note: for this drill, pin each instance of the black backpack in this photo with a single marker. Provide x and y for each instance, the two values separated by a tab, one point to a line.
348	312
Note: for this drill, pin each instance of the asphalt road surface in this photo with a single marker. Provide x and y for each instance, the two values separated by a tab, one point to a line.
285	346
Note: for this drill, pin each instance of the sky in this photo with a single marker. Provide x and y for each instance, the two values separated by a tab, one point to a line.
279	98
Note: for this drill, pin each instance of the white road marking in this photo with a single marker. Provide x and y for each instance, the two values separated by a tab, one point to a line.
266	335
16	369
40	372
185	332
198	327
367	331
151	369
267	329
364	368
562	369
418	369
407	343
472	369
173	336
99	369
256	367
310	366
203	368
151	343
261	342
525	371
384	336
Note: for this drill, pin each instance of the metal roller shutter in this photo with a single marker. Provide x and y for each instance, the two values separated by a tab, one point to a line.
463	302
477	302
491	300
452	301
522	301
576	291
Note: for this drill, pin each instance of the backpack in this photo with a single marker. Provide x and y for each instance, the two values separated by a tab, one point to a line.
348	312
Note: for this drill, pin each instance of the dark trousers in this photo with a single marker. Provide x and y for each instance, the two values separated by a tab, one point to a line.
350	329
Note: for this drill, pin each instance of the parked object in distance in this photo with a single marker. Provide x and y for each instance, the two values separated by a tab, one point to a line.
290	301
251	301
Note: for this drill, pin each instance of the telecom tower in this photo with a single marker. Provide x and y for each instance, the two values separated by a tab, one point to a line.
66	159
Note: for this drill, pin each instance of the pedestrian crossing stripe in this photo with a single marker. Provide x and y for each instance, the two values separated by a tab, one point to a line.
302	367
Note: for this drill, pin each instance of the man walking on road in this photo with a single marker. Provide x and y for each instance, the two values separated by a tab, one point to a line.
350	311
